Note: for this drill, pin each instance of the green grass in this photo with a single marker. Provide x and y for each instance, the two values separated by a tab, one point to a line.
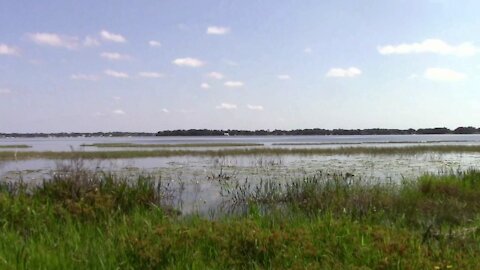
83	220
408	150
15	146
125	145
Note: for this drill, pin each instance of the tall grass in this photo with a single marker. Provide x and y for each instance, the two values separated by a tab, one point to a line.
431	200
95	220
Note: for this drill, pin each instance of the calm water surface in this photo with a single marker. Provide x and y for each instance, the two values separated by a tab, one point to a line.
66	144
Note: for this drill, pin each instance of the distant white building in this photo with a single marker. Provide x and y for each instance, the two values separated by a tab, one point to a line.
226	134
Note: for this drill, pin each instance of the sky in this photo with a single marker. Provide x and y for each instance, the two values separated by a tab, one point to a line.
150	65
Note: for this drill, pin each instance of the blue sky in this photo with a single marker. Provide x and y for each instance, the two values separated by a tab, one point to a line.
150	65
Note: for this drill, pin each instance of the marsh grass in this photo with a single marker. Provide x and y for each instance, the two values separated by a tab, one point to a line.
15	146
436	200
407	150
366	143
127	145
95	220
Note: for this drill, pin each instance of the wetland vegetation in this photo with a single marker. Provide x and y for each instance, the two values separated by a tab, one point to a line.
163	145
15	146
258	151
90	220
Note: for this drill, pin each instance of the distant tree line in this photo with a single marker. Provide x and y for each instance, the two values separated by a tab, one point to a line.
318	131
77	134
261	132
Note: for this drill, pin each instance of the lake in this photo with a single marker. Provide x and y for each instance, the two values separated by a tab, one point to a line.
66	144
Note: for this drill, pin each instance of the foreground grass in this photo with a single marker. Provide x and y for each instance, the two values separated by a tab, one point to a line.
15	146
81	220
128	145
408	150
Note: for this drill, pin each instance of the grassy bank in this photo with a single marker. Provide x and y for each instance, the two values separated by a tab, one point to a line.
137	145
408	150
81	220
15	146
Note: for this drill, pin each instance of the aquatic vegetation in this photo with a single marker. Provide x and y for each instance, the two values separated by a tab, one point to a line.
366	143
265	151
126	145
15	146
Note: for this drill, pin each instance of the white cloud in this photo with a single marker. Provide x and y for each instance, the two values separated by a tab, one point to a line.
234	84
112	37
152	75
117	98
255	107
308	50
84	77
154	43
284	77
443	75
165	110
8	50
215	75
344	73
205	86
55	40
116	74
114	56
188	62
118	112
90	42
436	46
226	106
218	30
4	91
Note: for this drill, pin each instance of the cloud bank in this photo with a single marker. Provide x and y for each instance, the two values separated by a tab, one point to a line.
108	36
226	106
435	46
218	30
8	50
344	72
188	62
